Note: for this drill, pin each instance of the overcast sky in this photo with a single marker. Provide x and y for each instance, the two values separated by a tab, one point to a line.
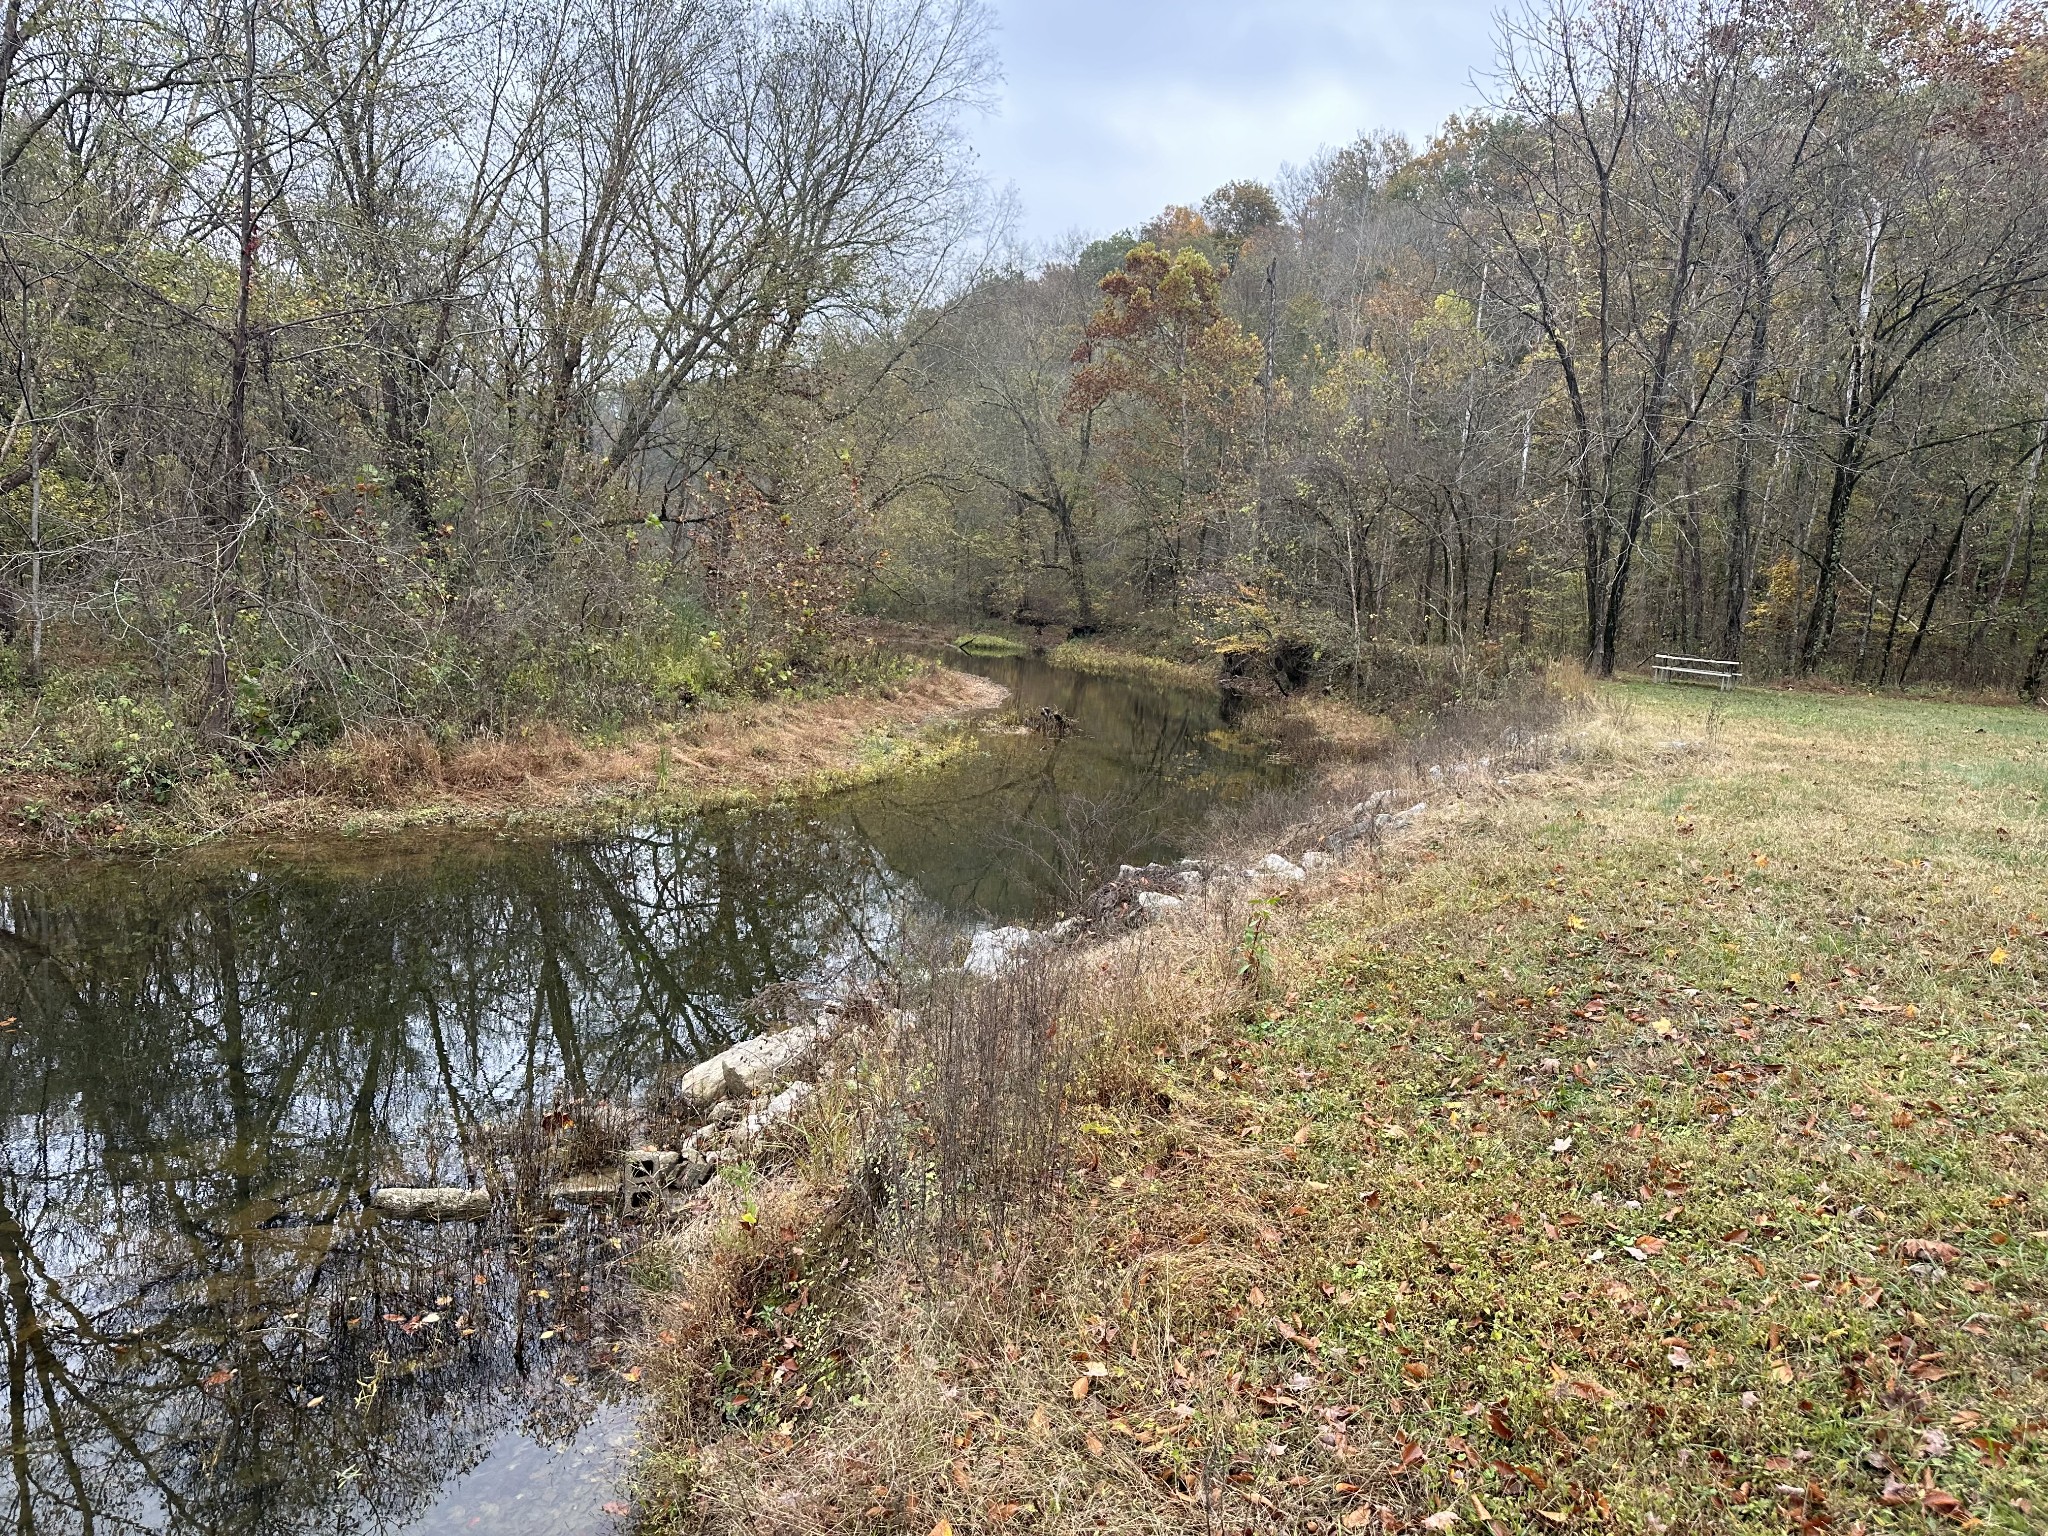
1110	109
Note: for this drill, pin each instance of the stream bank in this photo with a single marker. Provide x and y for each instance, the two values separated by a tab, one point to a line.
933	1147
541	783
1686	1089
213	1064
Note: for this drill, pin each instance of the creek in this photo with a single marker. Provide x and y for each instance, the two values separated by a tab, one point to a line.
207	1062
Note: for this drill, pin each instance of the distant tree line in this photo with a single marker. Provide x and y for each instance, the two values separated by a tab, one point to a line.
1715	330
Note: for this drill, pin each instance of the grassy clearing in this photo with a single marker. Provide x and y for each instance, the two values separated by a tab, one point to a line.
1107	661
1656	1144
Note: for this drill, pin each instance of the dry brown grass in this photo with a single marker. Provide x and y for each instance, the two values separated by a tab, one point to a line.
831	1398
370	782
1323	729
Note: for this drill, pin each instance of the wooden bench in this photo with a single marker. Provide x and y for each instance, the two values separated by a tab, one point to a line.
1696	669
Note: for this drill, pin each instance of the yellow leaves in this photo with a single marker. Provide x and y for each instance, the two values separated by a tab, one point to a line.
1998	956
1575	922
943	1528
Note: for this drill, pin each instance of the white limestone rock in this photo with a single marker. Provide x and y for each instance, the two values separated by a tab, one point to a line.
1378	800
776	1110
995	950
1274	867
1401	820
748	1068
431	1203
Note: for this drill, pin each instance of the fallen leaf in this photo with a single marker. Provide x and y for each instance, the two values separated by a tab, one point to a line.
1079	1388
1354	1518
1929	1248
1442	1520
1942	1503
615	1507
943	1528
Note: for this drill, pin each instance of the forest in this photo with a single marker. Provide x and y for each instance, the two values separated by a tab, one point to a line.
458	365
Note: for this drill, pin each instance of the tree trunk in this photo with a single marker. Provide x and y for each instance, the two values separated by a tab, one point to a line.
1741	535
1948	566
1820	618
2033	684
1891	633
216	708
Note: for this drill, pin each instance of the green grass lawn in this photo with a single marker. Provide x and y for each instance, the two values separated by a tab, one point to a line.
1690	1121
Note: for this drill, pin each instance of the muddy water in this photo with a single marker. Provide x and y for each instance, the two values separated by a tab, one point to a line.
206	1065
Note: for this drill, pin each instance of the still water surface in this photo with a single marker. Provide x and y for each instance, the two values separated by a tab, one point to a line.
209	1064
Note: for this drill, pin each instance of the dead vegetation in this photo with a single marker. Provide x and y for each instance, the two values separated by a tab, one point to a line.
925	1240
370	782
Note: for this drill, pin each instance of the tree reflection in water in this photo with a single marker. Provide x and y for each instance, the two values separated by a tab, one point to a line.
204	1330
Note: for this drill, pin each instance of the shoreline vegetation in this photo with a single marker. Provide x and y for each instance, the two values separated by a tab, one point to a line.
544	781
1099	660
1095	657
1640	1136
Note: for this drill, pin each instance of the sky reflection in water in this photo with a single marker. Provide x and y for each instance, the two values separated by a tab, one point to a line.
205	1332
